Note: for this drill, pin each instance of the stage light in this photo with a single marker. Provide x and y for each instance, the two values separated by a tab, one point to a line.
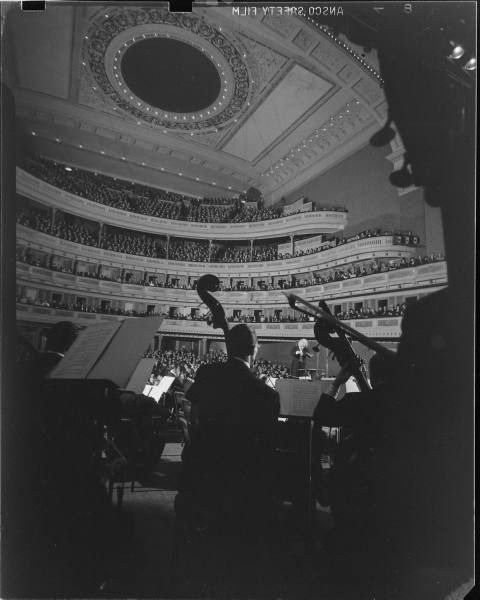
68	169
383	136
471	64
457	51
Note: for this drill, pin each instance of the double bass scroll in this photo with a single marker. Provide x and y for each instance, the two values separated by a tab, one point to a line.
210	283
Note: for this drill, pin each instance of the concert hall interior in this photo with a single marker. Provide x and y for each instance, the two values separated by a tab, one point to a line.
238	271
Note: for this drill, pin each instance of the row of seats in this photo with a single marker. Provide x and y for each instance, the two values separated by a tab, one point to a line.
295	281
142	199
96	305
82	231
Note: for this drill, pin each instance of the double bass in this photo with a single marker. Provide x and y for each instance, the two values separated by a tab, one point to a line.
206	284
351	462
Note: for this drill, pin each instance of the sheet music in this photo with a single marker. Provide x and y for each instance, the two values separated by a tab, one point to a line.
271	381
85	351
120	359
298	398
147	389
156	391
164	385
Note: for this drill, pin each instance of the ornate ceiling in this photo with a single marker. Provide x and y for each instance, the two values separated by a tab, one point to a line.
290	101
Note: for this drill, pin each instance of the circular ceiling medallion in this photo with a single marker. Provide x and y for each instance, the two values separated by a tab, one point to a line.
171	75
172	70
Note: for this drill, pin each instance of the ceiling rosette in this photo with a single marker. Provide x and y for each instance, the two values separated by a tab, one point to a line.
115	32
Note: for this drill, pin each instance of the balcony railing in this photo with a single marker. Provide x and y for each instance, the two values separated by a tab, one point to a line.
422	276
363	249
300	223
382	328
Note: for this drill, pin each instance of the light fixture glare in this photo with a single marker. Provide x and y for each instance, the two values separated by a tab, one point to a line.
457	52
471	64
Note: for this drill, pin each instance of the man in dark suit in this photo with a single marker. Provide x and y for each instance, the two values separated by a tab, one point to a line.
228	467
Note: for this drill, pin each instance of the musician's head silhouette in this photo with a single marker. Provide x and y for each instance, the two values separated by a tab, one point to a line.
241	342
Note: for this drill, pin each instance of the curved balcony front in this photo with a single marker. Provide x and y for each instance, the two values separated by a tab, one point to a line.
378	328
363	249
419	277
300	223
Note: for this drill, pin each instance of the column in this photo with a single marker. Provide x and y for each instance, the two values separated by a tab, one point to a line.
251	283
75	267
272	281
251	250
168	246
209	249
122	275
99	271
292	244
100	234
53	215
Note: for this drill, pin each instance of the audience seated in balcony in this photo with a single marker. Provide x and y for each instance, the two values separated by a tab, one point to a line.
306	280
142	199
130	242
138	198
126	241
91	305
81	306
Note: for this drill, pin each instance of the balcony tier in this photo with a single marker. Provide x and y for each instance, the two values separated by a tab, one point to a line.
422	276
385	328
300	223
363	249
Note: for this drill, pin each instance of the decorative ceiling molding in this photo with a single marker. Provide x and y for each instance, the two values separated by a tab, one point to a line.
347	48
284	26
263	49
304	40
289	102
269	62
369	90
115	30
332	133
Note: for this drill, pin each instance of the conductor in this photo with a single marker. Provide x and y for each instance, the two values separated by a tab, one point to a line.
227	468
299	358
